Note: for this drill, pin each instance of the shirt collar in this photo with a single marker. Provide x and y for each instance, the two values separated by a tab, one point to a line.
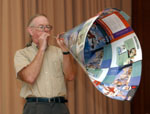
34	46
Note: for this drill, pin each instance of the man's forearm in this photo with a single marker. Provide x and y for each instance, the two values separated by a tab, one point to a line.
30	73
68	67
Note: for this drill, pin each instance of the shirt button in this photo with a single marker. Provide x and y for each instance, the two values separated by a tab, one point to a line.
46	72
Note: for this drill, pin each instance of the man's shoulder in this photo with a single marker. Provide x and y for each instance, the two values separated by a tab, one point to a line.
22	51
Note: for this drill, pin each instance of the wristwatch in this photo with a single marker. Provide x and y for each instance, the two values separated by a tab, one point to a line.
66	53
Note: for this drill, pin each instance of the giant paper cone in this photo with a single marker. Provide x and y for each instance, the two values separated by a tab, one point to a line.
109	51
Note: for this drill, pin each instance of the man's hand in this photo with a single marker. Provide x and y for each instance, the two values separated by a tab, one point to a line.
60	42
30	73
43	41
68	64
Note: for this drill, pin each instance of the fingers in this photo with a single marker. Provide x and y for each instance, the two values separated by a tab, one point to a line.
44	36
60	35
60	39
60	42
43	41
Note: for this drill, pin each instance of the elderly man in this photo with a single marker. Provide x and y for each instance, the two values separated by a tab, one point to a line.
43	68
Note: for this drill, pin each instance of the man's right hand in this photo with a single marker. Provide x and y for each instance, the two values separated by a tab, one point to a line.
43	41
30	73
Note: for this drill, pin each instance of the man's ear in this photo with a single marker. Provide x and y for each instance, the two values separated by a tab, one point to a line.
30	31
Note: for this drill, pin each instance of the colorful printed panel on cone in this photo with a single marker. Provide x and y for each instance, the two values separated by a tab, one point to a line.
109	51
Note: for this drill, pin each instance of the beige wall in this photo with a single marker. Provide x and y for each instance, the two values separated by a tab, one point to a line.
63	15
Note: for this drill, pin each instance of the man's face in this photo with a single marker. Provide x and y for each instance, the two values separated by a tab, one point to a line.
40	25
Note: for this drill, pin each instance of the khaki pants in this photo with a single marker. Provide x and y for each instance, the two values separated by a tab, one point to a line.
45	108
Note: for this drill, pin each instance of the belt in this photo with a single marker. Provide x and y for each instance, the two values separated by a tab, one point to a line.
47	100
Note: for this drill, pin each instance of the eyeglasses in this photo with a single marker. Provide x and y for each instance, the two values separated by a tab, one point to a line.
43	27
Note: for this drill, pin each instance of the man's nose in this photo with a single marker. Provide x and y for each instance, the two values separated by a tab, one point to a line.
46	29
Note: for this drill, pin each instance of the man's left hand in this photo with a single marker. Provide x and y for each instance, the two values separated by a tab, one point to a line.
60	42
